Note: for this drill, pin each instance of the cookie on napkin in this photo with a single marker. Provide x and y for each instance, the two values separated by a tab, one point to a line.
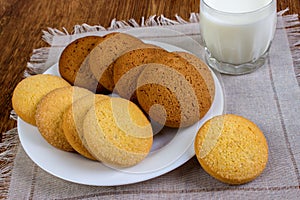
232	149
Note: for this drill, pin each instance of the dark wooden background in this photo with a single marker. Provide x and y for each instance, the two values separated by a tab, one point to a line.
22	22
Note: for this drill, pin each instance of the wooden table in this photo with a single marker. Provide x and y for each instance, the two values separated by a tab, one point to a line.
22	22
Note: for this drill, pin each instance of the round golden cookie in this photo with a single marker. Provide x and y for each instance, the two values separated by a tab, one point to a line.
232	149
170	88
117	132
30	91
50	112
73	67
72	123
105	53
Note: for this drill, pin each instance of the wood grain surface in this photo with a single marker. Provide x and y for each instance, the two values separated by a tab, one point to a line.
22	22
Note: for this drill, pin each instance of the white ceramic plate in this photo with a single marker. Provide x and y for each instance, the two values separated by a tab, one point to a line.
171	149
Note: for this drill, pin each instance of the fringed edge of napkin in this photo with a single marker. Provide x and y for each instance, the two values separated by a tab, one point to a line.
115	25
292	26
8	150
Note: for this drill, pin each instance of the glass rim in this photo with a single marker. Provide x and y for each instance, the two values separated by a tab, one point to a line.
239	13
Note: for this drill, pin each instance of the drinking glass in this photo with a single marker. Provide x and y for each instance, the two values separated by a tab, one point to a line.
237	34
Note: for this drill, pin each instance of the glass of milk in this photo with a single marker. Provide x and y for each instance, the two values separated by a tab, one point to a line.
237	33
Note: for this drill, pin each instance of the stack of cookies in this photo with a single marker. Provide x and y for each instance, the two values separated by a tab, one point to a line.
73	112
71	118
176	89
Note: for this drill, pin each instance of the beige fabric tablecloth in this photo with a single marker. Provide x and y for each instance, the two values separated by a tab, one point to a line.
270	97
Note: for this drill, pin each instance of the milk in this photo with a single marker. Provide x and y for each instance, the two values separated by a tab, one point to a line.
237	31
